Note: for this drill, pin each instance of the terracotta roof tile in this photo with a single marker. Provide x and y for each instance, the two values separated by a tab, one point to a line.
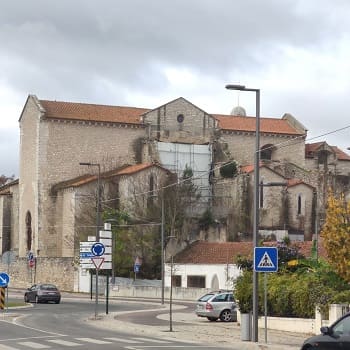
267	125
311	148
202	252
340	154
92	112
85	179
132	115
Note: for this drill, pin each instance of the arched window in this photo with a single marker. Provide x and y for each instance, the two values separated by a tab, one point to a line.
261	195
29	230
299	204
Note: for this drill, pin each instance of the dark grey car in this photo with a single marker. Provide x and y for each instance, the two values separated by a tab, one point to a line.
43	292
336	336
217	305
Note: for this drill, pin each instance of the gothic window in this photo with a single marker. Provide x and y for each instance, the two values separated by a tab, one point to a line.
29	230
299	204
261	195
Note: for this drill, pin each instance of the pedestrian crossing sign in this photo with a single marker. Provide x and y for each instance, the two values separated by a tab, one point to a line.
265	259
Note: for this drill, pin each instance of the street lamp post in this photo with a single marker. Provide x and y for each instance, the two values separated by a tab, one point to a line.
98	200
162	248
256	200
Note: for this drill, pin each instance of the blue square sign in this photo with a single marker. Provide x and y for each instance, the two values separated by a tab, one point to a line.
265	259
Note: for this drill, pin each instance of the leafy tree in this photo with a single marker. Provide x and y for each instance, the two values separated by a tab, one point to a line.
336	235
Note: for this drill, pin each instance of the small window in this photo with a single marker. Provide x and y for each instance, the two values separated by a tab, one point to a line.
180	118
176	281
196	281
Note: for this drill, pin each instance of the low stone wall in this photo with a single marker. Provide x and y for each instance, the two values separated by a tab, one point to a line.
59	271
178	293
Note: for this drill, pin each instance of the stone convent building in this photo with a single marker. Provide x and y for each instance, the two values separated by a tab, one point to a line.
132	151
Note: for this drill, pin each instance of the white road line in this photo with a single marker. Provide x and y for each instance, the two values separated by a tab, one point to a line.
94	341
64	342
33	345
152	340
122	340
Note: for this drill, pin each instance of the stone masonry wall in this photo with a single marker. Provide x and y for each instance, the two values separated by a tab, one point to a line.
63	145
59	271
28	175
242	147
197	126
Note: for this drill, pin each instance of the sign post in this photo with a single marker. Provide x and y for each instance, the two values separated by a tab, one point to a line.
97	250
265	260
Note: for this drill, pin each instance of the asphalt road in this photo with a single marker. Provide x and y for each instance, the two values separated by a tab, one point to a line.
62	326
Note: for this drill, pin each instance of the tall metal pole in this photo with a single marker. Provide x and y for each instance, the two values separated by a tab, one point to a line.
256	200
162	248
256	213
98	216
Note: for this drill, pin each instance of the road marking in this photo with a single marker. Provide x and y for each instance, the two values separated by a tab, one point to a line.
64	342
33	345
152	340
94	341
5	347
122	340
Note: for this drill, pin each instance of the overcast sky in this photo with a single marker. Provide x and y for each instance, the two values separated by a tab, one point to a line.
144	53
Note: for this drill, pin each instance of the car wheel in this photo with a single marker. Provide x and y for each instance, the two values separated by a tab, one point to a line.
226	316
58	301
212	319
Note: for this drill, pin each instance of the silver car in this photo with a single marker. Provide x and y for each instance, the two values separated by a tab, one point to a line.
217	305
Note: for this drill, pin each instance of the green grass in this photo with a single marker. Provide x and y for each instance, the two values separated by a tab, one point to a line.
14	304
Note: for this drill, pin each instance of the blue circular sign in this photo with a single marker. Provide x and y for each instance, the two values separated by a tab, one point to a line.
4	279
98	249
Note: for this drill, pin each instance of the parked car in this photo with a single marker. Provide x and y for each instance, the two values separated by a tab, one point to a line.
217	305
43	292
336	336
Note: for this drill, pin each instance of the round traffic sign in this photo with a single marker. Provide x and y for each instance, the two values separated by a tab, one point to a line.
98	249
4	279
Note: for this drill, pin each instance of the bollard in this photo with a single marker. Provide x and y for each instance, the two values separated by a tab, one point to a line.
2	298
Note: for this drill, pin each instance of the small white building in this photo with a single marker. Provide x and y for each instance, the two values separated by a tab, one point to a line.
212	265
206	265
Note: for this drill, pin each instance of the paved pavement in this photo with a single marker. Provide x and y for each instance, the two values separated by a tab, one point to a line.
186	325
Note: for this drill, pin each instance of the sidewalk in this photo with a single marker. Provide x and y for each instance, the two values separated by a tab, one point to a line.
187	326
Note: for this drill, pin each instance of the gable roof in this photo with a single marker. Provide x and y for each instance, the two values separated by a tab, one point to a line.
296	182
134	115
248	124
92	112
202	252
6	189
88	178
312	148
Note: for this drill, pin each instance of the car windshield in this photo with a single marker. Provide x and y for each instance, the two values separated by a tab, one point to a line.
206	297
48	287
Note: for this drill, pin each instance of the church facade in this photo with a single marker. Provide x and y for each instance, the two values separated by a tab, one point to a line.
41	212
